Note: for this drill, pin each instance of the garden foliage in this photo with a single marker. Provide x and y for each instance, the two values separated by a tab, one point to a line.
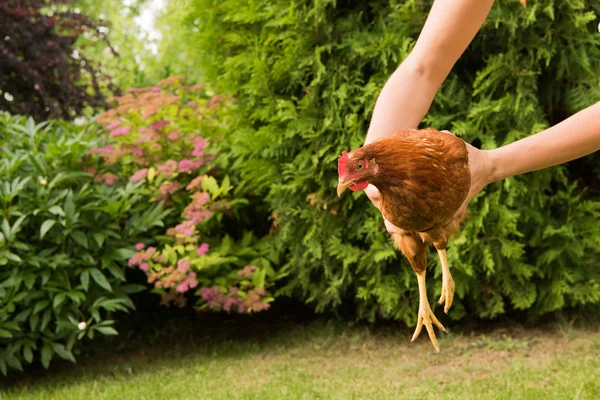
43	71
64	242
305	76
165	139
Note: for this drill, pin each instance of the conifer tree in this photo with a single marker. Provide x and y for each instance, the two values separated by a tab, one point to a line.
306	74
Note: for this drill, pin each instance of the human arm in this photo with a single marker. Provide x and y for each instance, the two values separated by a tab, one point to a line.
575	137
409	92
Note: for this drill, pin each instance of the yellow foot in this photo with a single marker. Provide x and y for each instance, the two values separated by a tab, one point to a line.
447	295
426	316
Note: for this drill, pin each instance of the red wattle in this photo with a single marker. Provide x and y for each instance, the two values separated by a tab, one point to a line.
361	185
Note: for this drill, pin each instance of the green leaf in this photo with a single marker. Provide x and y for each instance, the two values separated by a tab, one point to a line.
80	238
63	352
46	226
210	185
124	253
27	354
56	210
5	333
100	279
46	355
85	279
33	321
151	174
58	300
3	367
107	330
132	288
116	271
99	237
14	362
29	280
46	319
40	305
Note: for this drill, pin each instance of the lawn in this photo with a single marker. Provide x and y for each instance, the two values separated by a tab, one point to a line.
317	359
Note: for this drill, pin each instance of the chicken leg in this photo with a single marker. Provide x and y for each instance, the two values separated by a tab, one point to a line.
426	316
447	295
415	250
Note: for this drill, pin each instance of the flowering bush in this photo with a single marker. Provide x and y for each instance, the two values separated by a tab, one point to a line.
164	139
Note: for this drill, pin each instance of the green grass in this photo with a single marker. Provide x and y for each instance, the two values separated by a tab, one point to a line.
319	360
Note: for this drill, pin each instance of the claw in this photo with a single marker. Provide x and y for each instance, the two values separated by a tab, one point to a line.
447	295
426	316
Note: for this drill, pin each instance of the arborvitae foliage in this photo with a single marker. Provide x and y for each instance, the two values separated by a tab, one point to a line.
306	75
42	73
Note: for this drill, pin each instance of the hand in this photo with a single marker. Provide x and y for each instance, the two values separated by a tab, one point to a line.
481	166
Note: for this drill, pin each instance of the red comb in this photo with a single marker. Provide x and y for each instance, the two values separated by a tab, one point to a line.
342	163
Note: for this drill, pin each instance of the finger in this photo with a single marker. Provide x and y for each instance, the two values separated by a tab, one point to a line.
390	228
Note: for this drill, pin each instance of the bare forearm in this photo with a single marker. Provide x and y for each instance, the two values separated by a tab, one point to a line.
573	138
403	101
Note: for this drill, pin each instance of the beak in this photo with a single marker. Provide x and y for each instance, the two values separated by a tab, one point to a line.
343	185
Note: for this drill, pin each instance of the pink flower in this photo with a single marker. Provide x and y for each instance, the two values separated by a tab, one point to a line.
203	249
199	148
169	188
195	183
183	266
122	131
146	136
144	267
201	198
113	125
185	228
182	287
246	271
155	147
139	175
137	152
197	216
159	124
150	250
110	179
168	168
186	165
137	258
140	246
197	164
156	89
192	104
173	136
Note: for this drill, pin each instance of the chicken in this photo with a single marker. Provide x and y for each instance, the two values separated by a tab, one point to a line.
423	178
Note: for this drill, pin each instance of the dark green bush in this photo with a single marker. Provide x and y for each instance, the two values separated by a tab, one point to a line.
305	76
64	242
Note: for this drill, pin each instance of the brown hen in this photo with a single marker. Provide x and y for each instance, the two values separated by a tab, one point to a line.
423	178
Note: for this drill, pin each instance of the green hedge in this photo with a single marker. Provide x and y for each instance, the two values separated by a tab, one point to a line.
64	242
306	75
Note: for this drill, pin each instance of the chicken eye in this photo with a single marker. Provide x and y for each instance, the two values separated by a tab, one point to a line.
359	166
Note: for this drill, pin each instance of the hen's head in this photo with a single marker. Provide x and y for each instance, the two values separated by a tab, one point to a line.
354	171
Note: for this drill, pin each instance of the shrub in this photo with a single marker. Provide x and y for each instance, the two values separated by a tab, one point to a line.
64	242
43	72
165	138
305	76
